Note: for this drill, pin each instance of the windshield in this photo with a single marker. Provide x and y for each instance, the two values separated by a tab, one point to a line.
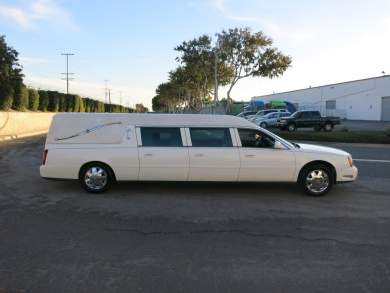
295	114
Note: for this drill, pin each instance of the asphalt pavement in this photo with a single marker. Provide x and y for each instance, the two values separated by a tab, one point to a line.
181	237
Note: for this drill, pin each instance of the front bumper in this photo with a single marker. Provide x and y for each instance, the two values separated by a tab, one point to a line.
348	174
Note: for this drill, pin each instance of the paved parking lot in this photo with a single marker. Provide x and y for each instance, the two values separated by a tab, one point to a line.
171	237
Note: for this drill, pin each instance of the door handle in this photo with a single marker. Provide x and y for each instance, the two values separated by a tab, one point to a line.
199	155
249	156
148	155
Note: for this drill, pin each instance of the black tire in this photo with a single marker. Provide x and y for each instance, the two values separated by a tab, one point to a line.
307	172
263	125
106	178
291	127
328	127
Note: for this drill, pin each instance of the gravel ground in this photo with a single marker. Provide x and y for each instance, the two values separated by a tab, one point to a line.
179	237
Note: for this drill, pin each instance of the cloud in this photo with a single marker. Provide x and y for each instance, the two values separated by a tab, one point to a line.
264	23
27	17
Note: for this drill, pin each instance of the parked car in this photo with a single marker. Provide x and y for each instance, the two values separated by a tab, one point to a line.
246	113
270	119
307	119
263	112
101	148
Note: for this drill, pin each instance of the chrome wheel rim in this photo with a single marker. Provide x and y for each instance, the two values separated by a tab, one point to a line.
291	127
95	178
328	127
317	181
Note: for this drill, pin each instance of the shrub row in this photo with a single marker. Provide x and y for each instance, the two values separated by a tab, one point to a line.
22	99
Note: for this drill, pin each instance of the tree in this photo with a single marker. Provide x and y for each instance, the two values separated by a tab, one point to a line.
33	99
76	104
54	101
82	105
20	102
195	75
43	100
140	108
250	55
10	74
62	102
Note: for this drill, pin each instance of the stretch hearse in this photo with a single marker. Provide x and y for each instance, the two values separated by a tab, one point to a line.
100	148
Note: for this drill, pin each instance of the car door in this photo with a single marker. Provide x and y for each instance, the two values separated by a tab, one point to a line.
213	154
272	119
303	119
260	161
162	154
280	115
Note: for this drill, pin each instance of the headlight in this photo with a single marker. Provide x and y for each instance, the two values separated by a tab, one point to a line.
350	161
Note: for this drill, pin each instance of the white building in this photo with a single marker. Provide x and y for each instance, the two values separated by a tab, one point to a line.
364	99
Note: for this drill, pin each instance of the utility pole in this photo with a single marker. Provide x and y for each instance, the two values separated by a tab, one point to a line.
106	91
215	79
67	73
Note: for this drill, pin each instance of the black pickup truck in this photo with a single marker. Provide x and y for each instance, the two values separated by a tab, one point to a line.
307	119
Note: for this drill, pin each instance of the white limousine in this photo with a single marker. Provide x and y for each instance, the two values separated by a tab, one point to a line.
99	149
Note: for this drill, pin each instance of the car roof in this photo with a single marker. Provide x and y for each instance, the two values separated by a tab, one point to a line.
145	119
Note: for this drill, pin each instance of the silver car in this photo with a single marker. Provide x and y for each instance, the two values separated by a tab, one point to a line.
262	113
269	120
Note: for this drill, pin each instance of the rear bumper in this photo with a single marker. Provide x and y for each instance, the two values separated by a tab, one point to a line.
56	172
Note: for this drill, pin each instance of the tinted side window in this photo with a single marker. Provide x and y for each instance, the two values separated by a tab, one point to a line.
161	137
315	114
252	138
211	137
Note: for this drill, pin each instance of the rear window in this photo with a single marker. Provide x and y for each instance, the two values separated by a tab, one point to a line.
211	137
161	137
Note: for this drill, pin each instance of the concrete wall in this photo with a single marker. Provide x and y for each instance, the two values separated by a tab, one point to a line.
356	100
19	124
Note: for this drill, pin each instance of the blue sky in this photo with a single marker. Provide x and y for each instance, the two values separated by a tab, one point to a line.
131	43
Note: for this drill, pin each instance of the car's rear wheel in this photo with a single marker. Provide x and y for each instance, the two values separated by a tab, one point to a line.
317	179
263	125
96	177
291	127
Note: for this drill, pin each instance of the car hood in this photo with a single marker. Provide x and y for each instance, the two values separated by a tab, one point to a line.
321	149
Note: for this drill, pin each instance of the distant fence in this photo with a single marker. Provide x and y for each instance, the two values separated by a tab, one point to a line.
19	124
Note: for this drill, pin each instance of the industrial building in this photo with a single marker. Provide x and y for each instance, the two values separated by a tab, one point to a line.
364	99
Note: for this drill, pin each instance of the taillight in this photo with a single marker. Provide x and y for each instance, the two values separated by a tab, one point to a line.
44	157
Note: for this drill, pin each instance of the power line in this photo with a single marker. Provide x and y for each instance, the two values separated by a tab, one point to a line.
67	73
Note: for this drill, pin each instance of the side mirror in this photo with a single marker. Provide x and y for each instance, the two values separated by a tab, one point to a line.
278	145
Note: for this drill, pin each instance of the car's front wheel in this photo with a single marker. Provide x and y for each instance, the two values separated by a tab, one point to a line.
263	125
96	177
292	127
317	180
